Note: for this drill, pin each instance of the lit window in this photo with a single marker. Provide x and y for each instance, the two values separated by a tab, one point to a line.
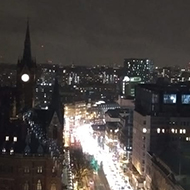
184	131
53	170
26	186
39	185
144	130
172	130
15	139
176	131
39	169
26	169
11	151
187	138
116	130
180	131
3	150
7	138
158	130
163	130
53	186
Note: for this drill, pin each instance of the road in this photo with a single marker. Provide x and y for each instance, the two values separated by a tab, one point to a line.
100	182
114	178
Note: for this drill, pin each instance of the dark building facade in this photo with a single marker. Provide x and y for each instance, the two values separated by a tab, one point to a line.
31	152
31	146
161	128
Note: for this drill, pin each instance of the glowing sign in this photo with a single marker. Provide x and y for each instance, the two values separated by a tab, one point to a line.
126	79
135	79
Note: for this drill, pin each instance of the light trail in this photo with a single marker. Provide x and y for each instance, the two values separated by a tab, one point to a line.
113	173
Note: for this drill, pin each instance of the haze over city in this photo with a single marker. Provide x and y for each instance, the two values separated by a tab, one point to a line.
94	95
86	32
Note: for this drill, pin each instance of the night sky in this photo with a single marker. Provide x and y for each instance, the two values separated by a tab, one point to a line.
89	32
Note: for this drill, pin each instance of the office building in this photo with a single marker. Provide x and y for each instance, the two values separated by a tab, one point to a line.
142	68
161	131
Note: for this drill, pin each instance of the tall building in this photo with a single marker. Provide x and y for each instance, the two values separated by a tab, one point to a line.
31	146
128	86
127	123
142	68
26	76
161	132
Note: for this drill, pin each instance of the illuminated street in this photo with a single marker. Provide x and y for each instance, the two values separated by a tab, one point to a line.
101	181
110	175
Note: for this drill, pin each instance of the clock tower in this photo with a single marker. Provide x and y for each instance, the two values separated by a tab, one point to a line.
26	76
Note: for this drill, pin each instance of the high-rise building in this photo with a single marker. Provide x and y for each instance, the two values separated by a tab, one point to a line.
142	68
161	129
128	86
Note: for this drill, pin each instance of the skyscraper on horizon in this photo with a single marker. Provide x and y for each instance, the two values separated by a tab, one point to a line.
140	68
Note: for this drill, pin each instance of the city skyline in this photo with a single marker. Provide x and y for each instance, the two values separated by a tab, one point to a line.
97	32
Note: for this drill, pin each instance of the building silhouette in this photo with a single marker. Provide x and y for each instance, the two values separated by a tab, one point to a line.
31	146
26	76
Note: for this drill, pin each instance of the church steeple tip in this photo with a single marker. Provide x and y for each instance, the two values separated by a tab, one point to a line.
27	45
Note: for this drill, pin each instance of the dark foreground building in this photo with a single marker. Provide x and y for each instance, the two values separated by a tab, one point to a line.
31	140
161	134
31	152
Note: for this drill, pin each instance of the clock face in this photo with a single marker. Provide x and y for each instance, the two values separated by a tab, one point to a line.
25	77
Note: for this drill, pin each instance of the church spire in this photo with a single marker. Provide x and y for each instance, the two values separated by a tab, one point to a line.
27	45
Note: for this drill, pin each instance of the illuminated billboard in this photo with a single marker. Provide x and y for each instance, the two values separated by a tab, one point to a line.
131	79
126	79
185	98
135	79
170	98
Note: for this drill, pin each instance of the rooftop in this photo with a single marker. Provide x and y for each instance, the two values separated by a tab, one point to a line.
185	86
